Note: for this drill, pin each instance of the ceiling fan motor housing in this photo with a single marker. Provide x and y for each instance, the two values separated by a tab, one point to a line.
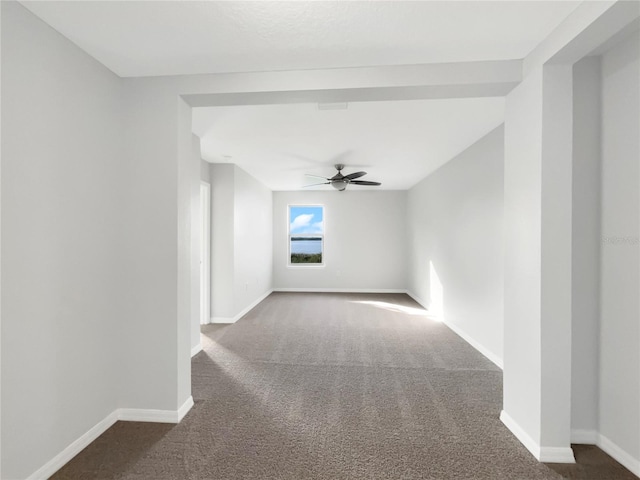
340	181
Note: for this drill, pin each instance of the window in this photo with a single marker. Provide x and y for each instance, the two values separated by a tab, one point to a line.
306	235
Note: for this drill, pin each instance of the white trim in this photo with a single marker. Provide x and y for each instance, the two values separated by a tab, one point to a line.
156	416
621	456
520	434
421	302
467	338
60	460
184	409
120	414
584	437
340	290
556	455
295	266
147	415
483	350
223	320
542	454
243	312
196	349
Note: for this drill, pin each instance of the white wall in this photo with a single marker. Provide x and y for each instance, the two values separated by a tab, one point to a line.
62	242
455	231
522	212
619	300
606	336
555	316
0	249
157	138
242	236
205	176
365	241
196	239
187	193
222	239
537	196
585	247
253	234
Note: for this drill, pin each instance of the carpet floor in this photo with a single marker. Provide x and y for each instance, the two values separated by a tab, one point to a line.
333	386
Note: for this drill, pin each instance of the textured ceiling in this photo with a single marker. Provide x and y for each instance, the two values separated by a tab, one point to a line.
397	143
135	38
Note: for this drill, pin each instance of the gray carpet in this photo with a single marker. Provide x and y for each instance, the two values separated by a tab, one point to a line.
329	386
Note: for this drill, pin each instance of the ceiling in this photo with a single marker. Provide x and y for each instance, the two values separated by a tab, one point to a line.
135	38
398	143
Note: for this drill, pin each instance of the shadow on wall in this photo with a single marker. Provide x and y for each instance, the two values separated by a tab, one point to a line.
436	294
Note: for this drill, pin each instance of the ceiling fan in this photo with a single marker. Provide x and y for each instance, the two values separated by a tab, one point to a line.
340	181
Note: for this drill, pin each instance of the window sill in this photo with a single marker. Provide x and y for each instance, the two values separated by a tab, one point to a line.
305	265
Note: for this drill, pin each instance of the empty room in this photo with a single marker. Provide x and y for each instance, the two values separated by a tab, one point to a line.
320	240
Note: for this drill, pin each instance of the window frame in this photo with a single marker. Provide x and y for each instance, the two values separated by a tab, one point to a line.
311	235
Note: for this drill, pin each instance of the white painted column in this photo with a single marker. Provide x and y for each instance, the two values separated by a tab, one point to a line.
586	250
537	336
557	160
188	281
522	270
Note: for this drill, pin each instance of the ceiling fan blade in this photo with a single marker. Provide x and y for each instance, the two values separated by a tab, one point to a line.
315	176
353	176
316	184
364	182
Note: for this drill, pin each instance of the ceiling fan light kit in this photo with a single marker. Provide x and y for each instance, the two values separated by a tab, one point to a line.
340	181
340	185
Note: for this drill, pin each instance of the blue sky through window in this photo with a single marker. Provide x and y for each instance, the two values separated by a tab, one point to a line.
306	220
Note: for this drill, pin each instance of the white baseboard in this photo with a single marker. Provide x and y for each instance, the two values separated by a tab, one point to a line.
340	290
184	409
542	454
462	334
243	312
621	456
423	304
301	290
156	416
147	415
195	350
556	455
490	355
418	300
223	320
584	437
60	460
122	414
520	434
